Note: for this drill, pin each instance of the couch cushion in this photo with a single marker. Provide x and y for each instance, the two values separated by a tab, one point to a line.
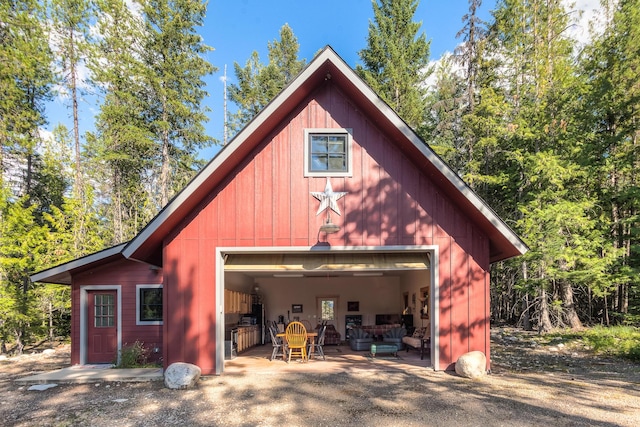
419	332
358	333
412	341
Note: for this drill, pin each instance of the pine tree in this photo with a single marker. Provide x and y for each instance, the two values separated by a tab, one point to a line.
25	85
258	84
541	141
20	238
611	117
122	146
443	124
396	59
71	28
175	70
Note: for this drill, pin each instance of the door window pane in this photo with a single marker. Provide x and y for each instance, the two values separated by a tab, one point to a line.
103	311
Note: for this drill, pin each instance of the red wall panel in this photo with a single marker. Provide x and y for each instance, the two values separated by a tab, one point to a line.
268	203
126	274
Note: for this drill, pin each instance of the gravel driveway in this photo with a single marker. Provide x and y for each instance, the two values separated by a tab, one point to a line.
530	385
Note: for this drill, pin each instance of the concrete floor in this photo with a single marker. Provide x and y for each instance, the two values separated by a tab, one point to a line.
338	358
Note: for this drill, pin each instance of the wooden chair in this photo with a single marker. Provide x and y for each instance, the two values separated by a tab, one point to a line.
296	336
306	324
317	346
278	346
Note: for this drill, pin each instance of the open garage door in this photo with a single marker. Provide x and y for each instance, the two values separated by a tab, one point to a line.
309	263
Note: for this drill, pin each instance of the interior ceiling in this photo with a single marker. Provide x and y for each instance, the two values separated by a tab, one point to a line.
325	265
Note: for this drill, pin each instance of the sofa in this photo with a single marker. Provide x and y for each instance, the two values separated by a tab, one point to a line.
359	339
415	340
378	331
331	336
394	336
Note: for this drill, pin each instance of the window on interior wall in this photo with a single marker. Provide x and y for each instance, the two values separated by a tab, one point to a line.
327	152
327	308
149	304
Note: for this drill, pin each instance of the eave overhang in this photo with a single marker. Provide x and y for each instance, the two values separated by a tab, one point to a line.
62	274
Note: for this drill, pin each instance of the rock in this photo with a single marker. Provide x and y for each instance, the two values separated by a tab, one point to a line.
42	387
472	365
49	351
181	375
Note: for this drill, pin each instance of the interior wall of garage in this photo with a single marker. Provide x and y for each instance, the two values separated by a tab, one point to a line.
375	295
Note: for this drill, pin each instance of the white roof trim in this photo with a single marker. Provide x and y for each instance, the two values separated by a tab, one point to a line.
477	202
224	154
77	263
326	55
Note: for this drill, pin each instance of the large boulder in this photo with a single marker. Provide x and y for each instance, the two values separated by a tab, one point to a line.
181	375
472	365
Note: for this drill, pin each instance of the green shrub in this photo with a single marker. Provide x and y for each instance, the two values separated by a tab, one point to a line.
617	341
133	356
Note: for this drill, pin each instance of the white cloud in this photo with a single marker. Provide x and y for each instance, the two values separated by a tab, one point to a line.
584	13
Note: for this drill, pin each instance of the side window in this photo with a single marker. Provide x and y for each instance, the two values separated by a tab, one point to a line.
149	304
327	152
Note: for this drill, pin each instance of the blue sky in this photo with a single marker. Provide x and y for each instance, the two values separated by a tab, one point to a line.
236	28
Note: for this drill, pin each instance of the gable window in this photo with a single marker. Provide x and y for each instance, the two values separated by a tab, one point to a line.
149	304
327	152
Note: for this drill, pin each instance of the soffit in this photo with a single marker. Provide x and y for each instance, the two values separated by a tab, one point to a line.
307	263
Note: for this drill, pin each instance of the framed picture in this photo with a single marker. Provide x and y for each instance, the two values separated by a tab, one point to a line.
296	308
353	306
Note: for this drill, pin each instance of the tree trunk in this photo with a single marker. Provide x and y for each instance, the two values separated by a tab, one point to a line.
50	322
526	317
569	309
19	344
544	324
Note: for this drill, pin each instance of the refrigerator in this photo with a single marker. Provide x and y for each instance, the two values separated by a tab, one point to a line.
257	311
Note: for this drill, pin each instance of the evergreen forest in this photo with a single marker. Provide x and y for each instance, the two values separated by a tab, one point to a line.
544	127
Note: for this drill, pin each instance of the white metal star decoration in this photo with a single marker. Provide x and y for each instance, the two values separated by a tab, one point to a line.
328	198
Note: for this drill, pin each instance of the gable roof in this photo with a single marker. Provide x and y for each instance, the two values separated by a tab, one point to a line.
147	245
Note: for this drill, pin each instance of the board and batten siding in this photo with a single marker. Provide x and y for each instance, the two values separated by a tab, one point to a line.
125	274
267	201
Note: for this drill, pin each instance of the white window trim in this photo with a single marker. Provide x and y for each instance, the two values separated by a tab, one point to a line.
307	155
146	322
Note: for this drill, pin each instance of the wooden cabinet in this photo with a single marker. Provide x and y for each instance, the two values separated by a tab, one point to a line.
237	302
248	336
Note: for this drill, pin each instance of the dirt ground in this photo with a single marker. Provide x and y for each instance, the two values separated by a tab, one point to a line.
533	382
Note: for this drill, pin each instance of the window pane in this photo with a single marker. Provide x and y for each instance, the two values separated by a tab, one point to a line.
327	310
103	311
318	144
328	153
319	162
337	163
151	304
337	144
